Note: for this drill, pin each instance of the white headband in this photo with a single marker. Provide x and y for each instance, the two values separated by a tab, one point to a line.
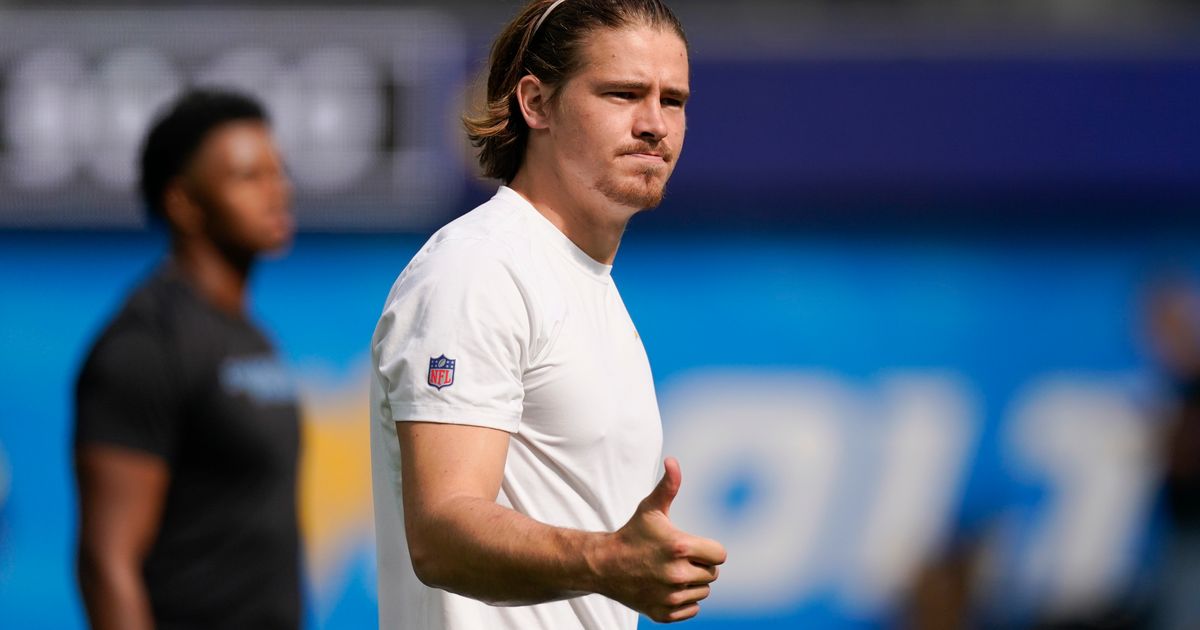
546	15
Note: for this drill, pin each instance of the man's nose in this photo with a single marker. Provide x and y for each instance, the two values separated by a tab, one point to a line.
650	124
282	189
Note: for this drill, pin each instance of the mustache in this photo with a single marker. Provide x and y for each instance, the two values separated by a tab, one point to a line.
660	150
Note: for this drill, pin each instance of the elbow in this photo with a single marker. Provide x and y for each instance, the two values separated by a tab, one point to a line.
434	571
446	552
100	567
436	565
427	563
87	568
96	571
424	567
92	564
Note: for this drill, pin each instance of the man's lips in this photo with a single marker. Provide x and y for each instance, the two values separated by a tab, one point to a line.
657	157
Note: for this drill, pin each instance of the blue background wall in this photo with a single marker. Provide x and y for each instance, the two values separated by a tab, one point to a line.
837	336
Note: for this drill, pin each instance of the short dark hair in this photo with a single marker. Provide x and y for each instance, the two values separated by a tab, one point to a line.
181	130
553	53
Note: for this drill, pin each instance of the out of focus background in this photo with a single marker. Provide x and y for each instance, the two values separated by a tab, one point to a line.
921	302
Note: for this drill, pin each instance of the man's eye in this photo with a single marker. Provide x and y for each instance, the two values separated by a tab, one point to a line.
625	96
249	174
672	102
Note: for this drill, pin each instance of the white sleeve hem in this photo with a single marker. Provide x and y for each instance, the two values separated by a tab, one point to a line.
403	411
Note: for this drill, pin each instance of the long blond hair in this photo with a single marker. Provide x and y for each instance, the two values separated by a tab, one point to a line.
552	52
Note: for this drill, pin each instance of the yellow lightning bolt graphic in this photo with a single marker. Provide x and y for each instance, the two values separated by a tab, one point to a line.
335	477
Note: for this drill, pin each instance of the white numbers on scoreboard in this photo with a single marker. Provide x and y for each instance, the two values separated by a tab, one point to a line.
1095	447
64	115
820	486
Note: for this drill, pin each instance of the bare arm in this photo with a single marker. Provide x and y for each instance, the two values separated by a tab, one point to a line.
121	495
462	541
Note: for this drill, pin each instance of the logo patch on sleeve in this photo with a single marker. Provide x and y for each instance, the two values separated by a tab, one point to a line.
441	372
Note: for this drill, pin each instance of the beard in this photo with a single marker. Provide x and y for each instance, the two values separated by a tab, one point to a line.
643	189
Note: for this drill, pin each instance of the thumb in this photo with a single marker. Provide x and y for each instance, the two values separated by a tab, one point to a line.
663	494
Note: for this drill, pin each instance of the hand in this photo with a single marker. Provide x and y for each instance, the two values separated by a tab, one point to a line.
655	568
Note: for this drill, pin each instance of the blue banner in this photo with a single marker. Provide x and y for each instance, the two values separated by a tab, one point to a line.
842	406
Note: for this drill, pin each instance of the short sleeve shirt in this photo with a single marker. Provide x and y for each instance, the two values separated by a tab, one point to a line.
174	377
500	321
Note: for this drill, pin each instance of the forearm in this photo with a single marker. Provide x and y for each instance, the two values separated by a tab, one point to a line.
479	549
114	594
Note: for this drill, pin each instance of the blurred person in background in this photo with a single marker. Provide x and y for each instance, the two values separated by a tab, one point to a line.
187	433
515	433
1174	321
947	593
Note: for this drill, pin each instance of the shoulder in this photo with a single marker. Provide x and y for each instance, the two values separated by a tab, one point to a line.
153	305
498	227
478	269
490	243
144	313
140	329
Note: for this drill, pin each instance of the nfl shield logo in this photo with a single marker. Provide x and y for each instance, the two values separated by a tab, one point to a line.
441	372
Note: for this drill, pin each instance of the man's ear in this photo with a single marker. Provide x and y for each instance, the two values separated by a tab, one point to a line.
533	97
183	213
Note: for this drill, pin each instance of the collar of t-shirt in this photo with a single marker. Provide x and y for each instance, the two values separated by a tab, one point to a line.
553	235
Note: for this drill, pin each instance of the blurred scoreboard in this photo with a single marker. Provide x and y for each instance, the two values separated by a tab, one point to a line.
365	105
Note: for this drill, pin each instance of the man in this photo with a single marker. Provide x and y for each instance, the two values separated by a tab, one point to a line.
187	435
1173	318
515	432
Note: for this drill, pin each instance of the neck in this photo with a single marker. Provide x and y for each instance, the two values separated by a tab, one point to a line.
219	277
590	221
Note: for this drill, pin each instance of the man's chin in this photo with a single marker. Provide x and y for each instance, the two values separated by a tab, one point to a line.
635	200
275	251
274	244
636	193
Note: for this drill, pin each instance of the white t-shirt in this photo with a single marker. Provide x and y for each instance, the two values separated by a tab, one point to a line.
501	321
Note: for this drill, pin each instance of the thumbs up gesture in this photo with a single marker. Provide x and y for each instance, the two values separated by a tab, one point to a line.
654	567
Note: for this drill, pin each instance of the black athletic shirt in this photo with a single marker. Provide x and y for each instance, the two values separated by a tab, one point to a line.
173	376
1183	490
